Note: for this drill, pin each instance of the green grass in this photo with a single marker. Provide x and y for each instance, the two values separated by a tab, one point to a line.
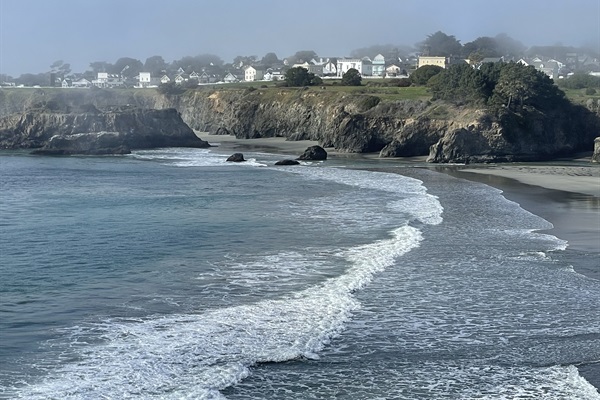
578	96
384	93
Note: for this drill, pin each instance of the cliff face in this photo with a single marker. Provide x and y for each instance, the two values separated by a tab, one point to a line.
360	122
138	128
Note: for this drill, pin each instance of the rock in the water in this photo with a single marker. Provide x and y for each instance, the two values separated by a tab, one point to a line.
236	157
287	162
596	155
314	153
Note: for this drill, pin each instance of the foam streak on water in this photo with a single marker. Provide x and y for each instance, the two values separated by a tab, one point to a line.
196	355
193	356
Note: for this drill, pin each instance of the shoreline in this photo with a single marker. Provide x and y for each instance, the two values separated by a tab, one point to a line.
565	193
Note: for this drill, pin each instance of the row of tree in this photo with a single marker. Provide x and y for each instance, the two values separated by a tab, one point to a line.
513	86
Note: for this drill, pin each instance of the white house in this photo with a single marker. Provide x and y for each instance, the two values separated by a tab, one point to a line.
81	83
101	80
106	80
344	64
165	79
144	79
252	74
392	70
179	79
230	78
274	75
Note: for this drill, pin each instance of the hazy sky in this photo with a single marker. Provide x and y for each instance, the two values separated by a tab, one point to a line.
35	33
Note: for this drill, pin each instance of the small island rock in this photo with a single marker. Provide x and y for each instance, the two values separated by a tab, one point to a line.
236	157
287	162
313	153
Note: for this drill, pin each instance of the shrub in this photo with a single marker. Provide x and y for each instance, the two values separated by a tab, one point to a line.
369	102
170	88
423	74
590	91
351	78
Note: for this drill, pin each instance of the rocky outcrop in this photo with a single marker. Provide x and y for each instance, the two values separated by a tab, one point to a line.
596	154
527	136
236	157
97	143
355	123
287	162
131	128
313	153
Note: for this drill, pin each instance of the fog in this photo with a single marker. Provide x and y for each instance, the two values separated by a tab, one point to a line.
35	33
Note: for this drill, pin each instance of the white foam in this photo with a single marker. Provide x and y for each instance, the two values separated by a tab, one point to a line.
413	196
194	356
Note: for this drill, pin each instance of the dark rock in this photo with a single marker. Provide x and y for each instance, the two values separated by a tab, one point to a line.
236	157
287	162
596	154
103	132
313	153
96	143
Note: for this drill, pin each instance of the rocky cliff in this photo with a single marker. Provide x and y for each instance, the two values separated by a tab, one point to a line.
132	128
360	122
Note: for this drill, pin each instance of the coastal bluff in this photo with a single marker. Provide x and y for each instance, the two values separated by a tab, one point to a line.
91	131
347	122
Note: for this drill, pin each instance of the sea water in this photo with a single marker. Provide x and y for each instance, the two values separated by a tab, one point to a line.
172	274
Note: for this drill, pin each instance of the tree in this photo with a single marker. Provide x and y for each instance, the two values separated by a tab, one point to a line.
127	67
197	63
269	59
459	84
482	47
440	44
241	61
100	66
508	46
60	68
302	56
519	86
424	73
351	78
299	76
156	65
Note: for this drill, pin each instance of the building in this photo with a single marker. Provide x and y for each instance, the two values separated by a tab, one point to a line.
430	60
344	64
378	63
144	79
106	80
252	74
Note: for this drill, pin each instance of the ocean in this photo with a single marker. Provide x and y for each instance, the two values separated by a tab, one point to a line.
172	274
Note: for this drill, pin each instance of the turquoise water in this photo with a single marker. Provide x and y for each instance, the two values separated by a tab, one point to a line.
173	274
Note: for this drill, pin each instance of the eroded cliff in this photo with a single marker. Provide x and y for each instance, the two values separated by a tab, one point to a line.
361	122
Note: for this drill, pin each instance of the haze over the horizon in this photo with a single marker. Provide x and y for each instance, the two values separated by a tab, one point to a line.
35	33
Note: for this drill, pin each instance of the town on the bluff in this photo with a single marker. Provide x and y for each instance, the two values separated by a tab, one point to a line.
375	62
